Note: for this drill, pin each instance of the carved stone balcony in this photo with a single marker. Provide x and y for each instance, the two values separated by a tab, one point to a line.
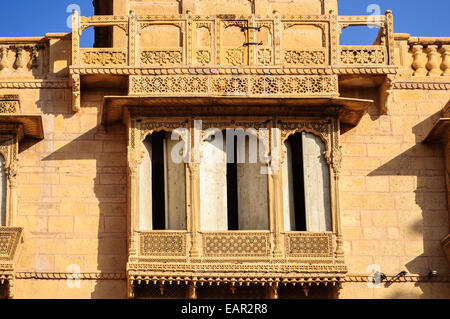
10	239
235	258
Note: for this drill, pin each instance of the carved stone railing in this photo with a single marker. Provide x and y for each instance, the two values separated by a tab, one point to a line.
22	57
363	55
10	239
310	246
156	244
424	56
278	47
236	245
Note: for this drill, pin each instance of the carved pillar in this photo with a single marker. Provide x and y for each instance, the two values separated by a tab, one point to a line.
76	32
133	39
276	193
390	37
418	63
12	189
277	39
194	181
445	66
433	61
335	31
189	43
336	169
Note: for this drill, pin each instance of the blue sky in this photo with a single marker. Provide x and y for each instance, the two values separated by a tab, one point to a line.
417	17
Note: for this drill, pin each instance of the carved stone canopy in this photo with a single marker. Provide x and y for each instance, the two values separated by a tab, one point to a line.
440	133
10	113
349	110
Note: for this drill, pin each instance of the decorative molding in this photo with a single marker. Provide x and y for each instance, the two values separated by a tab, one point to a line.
411	85
310	70
65	276
35	84
297	57
103	57
162	57
235	86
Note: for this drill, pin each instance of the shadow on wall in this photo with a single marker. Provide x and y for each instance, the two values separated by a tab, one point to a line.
102	154
423	223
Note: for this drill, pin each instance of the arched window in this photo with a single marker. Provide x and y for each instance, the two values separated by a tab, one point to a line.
162	185
233	183
306	184
3	191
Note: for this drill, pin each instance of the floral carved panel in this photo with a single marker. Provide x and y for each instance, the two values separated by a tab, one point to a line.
236	244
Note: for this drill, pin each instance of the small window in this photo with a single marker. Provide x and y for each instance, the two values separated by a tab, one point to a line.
162	185
306	184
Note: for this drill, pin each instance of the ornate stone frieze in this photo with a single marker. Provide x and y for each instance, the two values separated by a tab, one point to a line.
103	57
233	85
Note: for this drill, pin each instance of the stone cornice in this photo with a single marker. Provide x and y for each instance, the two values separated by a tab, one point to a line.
413	85
233	71
35	84
65	276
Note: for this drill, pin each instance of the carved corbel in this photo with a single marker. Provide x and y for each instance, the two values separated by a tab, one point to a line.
433	61
76	93
386	90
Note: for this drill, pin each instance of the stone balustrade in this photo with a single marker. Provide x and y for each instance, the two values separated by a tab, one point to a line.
21	56
425	56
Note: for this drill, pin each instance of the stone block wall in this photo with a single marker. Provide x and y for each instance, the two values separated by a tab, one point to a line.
393	197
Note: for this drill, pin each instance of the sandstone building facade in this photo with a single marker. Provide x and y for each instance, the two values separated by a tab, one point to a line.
347	198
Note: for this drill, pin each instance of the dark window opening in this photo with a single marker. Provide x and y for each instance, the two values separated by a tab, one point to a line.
298	181
232	191
158	181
